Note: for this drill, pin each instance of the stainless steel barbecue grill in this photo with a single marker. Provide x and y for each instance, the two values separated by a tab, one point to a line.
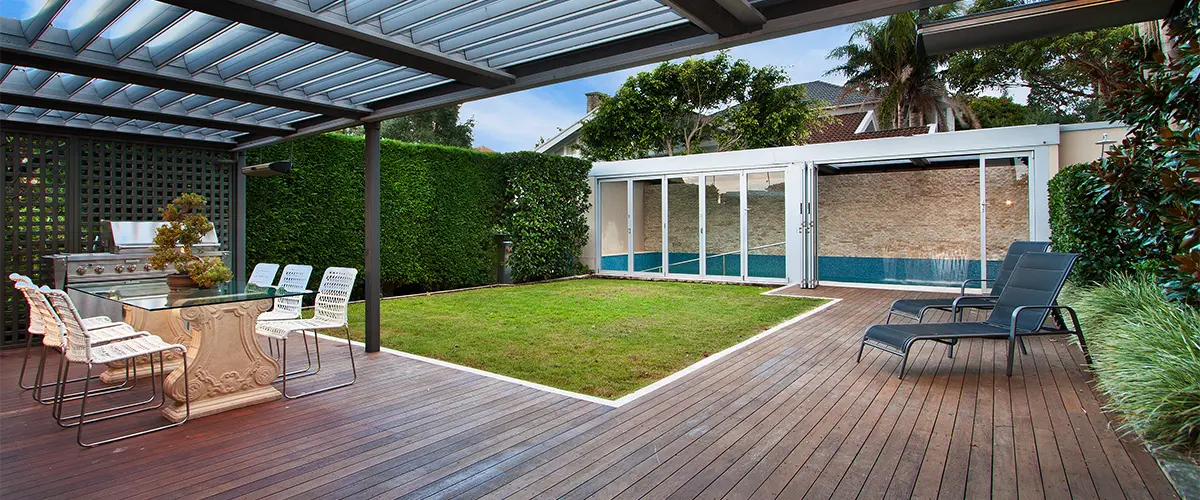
126	247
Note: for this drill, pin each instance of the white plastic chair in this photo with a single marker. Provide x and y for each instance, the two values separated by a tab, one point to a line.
263	274
332	303
294	277
36	326
80	347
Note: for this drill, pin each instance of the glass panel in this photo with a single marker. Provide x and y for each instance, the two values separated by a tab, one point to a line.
1007	192
723	225
683	225
766	225
614	226
155	294
647	226
906	225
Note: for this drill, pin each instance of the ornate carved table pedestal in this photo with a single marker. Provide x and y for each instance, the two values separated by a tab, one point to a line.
226	367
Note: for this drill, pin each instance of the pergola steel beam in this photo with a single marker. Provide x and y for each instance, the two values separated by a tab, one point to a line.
12	122
51	57
78	105
723	17
329	29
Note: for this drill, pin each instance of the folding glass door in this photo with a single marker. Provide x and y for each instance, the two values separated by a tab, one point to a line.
729	226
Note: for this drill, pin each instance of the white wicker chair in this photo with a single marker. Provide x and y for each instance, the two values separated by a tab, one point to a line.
263	274
332	302
81	348
36	326
103	329
294	277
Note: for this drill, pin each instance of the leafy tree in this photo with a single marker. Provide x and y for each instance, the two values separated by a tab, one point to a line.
672	110
999	112
1154	173
881	60
1066	75
438	126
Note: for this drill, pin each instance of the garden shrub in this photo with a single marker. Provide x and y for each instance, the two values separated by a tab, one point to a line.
440	207
1146	356
1083	220
548	199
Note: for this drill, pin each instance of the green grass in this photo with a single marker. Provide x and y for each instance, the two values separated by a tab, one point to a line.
601	337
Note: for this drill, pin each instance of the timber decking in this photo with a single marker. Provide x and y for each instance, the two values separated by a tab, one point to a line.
789	416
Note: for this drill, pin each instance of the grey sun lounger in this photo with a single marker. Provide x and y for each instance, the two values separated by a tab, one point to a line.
915	309
1020	310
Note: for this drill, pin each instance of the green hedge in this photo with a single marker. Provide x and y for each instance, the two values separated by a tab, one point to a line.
440	207
1083	220
547	198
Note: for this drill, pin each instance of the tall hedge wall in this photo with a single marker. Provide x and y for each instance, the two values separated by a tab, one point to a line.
440	207
1083	220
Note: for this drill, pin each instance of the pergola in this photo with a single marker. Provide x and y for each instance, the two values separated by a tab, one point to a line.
240	74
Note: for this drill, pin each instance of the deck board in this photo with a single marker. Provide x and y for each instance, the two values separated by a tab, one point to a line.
790	416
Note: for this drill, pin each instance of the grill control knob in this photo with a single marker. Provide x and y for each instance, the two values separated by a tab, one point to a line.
81	270
120	269
98	269
146	267
131	268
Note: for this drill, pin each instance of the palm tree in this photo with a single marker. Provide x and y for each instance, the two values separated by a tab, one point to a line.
881	61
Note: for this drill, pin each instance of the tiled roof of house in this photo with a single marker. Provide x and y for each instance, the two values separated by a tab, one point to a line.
841	128
832	94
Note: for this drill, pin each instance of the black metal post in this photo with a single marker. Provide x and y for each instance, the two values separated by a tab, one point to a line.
371	228
238	232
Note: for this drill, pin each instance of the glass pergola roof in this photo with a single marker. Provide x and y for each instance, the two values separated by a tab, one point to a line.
242	73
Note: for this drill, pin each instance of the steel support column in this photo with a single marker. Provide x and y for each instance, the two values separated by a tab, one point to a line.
238	231
371	228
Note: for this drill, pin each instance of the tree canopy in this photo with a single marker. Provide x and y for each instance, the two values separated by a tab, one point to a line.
676	106
1066	75
881	61
438	126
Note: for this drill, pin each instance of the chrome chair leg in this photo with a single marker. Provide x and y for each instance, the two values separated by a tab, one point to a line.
162	373
25	362
317	348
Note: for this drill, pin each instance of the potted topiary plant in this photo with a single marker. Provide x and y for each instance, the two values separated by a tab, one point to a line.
185	227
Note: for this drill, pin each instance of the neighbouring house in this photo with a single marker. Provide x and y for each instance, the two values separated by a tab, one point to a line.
484	149
852	118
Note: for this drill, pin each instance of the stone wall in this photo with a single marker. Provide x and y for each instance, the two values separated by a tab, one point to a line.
921	214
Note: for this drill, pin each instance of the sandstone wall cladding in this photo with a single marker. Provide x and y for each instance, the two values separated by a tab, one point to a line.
921	214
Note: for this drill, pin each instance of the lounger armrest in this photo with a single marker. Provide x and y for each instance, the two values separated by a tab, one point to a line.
957	304
963	290
1012	329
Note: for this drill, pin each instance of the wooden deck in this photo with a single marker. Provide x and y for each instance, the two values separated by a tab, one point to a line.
790	416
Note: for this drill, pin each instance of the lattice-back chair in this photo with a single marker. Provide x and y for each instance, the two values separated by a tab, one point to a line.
42	322
294	277
263	274
330	313
81	348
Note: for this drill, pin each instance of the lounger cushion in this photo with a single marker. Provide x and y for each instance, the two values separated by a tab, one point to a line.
912	307
901	335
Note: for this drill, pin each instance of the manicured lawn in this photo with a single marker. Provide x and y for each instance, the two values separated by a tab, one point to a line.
601	337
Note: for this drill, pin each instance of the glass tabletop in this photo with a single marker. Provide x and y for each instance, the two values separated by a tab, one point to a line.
155	295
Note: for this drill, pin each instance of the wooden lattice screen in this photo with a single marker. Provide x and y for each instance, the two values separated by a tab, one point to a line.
57	189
